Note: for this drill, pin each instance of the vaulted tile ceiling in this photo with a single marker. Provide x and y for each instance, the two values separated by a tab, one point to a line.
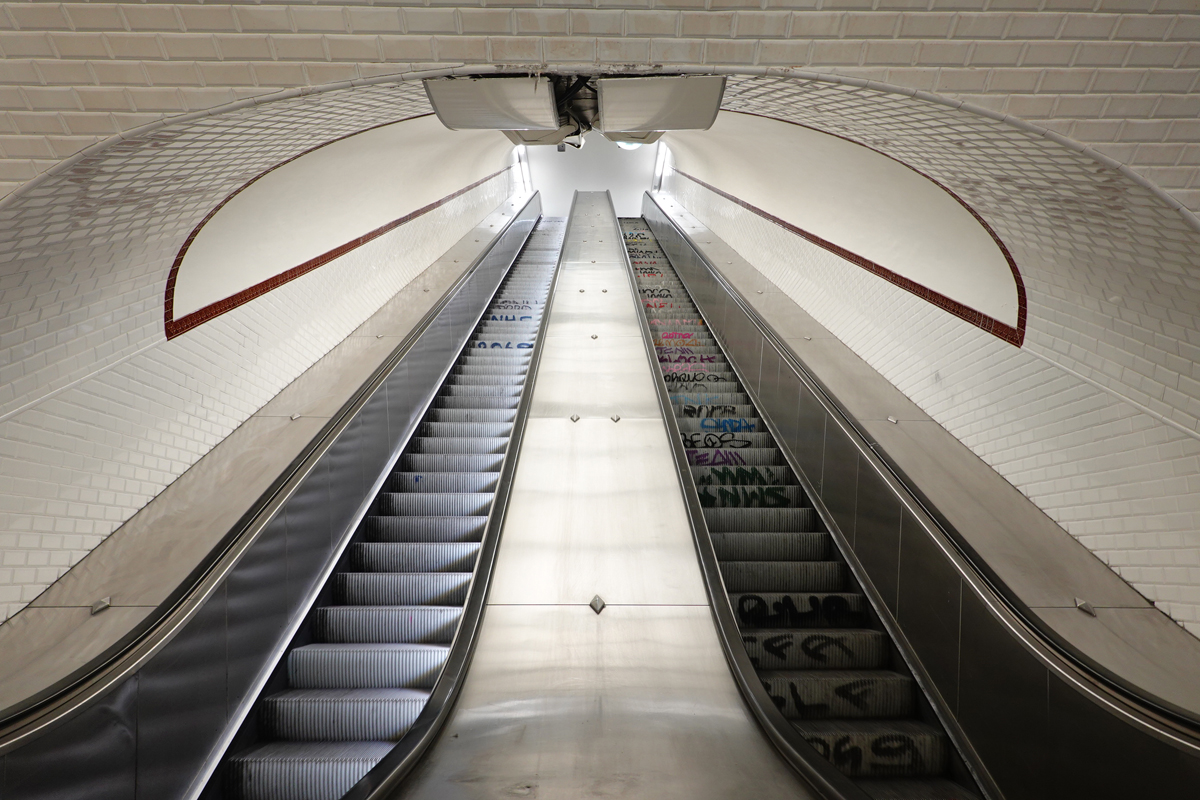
1122	76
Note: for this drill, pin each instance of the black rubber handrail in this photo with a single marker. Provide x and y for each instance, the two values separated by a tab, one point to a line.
1156	715
391	771
798	753
67	698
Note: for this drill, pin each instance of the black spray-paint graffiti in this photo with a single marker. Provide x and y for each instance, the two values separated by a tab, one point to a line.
712	440
743	497
706	458
831	610
693	410
738	476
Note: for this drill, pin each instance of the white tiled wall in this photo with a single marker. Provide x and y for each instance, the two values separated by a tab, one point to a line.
1122	481
1119	75
98	411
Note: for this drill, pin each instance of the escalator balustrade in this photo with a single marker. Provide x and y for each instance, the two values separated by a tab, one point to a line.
400	591
806	625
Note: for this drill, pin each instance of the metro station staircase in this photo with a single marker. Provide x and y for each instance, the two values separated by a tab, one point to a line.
398	594
808	628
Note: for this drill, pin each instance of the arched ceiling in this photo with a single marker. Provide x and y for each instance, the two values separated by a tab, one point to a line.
1122	76
1109	257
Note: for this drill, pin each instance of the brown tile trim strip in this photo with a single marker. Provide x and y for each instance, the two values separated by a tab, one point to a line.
1014	336
174	327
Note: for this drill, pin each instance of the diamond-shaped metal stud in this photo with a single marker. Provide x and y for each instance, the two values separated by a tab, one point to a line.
581	291
615	417
597	604
594	336
106	602
1082	605
574	418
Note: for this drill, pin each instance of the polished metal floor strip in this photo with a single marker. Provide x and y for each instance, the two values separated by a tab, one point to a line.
636	700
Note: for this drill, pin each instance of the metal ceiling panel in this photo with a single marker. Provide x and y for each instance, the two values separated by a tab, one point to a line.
674	103
513	104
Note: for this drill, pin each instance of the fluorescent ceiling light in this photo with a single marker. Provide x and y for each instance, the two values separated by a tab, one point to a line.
667	103
514	104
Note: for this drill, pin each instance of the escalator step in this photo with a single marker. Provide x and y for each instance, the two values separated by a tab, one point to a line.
700	440
685	411
341	715
698	381
450	390
311	770
799	609
484	380
443	481
500	370
455	445
365	666
384	624
888	749
472	414
448	401
424	529
841	694
689	351
504	344
451	462
721	520
783	576
509	362
414	557
465	429
829	648
435	504
702	399
771	546
744	456
402	588
743	476
748	497
721	424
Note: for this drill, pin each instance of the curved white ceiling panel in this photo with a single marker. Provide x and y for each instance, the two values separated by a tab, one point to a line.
313	207
864	205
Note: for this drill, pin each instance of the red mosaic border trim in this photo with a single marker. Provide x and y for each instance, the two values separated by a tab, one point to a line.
175	327
1012	335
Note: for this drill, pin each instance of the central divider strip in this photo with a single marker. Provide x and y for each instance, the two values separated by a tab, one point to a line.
598	671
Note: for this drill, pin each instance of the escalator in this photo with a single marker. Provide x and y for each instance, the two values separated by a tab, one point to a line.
362	670
816	647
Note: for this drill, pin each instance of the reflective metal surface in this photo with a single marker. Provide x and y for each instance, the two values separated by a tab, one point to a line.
637	701
194	674
142	564
1047	696
633	702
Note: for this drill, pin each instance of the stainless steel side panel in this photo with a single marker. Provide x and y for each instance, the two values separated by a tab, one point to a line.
1042	726
637	701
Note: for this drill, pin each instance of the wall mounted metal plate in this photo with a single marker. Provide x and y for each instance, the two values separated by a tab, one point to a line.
671	103
511	104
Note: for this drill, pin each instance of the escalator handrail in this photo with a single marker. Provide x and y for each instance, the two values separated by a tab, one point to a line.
1131	702
391	771
74	694
798	753
941	709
